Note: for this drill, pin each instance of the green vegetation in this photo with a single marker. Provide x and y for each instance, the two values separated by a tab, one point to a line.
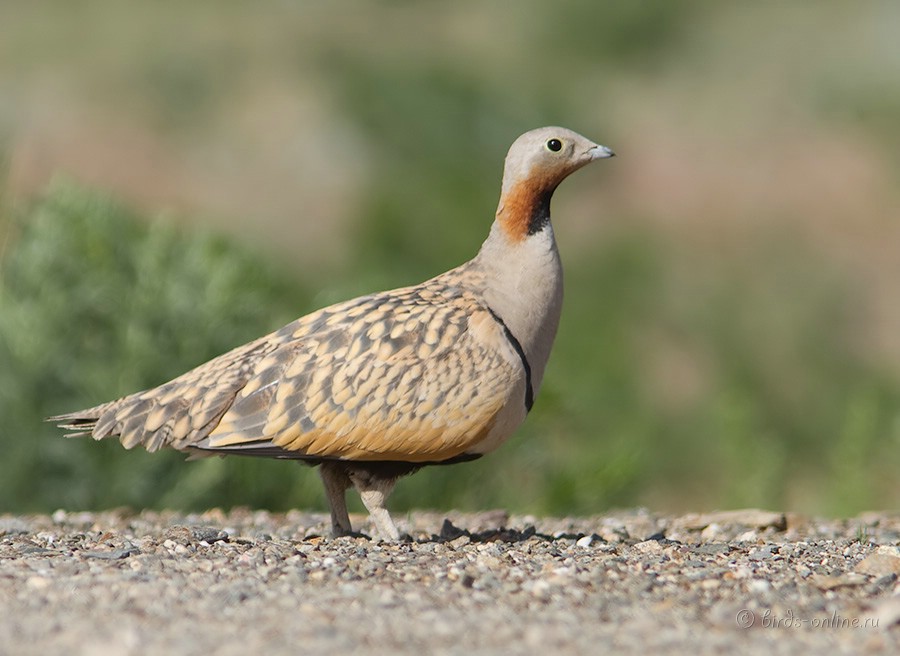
729	336
96	303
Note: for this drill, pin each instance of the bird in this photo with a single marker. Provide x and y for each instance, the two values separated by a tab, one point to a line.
374	388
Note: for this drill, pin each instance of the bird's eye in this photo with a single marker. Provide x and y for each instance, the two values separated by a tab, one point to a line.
554	145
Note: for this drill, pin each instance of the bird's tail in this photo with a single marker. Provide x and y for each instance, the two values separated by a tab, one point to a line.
82	422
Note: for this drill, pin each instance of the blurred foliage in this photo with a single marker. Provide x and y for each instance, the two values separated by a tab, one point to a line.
96	303
701	362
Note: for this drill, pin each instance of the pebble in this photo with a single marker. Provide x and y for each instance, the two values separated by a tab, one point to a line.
888	612
880	563
648	547
585	541
758	585
229	583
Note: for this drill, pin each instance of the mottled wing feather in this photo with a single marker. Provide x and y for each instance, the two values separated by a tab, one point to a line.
175	414
417	374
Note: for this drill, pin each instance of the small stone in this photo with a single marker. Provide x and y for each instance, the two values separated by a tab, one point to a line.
209	534
451	532
613	534
764	553
712	548
586	541
387	598
742	573
460	542
37	582
540	589
490	562
879	563
116	554
758	585
828	582
12	526
881	583
711	532
887	612
648	546
749	517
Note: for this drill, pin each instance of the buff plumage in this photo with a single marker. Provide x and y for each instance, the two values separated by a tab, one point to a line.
378	386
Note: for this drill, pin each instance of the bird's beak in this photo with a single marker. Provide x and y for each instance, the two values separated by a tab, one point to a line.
600	152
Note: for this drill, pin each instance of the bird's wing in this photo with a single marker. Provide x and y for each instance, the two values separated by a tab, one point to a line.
417	375
176	413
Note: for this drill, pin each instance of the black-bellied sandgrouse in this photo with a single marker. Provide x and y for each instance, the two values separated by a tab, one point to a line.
375	388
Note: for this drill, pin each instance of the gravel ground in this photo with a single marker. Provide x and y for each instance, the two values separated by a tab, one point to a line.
257	582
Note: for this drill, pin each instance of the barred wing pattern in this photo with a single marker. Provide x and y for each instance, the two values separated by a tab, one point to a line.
376	387
175	414
416	374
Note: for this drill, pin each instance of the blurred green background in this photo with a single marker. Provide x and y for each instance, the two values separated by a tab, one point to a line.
179	178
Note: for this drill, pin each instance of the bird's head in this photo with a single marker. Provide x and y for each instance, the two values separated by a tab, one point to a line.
535	165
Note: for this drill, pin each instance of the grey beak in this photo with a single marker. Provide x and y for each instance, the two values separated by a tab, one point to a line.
600	152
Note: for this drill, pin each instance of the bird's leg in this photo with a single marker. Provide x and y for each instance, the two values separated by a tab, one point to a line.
336	482
374	491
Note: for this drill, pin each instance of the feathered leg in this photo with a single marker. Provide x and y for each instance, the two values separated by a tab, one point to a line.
374	491
334	477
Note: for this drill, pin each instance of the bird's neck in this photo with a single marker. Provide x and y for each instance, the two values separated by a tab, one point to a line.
524	207
523	285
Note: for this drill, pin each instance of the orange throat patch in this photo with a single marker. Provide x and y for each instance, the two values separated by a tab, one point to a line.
523	207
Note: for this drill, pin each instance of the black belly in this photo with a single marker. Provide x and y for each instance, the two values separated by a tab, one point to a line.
378	468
